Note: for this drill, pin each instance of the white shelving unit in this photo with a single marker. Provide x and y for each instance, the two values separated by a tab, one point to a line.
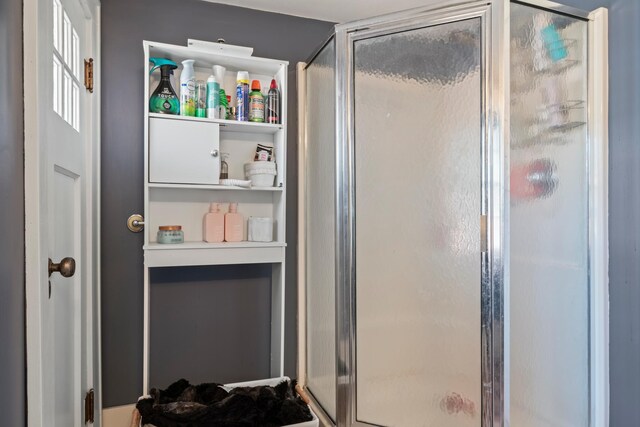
182	163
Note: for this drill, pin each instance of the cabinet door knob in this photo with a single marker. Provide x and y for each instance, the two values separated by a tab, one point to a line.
214	153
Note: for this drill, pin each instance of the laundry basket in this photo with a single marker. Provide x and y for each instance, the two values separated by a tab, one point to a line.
136	420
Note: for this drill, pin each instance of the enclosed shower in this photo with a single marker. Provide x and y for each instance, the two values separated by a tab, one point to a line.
453	251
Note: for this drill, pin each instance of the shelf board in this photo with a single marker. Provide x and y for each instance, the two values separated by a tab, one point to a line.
213	187
206	58
205	245
226	125
202	253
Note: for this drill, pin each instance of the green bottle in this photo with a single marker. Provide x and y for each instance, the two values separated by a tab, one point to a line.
256	103
164	99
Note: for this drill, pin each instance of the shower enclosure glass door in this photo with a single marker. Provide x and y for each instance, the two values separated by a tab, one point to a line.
417	145
454	218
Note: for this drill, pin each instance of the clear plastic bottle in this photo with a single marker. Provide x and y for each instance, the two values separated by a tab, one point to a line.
224	166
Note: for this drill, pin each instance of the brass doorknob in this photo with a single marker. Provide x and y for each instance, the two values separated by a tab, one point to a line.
66	267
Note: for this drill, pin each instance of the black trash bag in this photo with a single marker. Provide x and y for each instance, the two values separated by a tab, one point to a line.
208	405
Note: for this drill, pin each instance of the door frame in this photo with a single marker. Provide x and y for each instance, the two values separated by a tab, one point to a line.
36	253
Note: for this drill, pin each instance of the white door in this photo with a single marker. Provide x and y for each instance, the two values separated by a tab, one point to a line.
61	205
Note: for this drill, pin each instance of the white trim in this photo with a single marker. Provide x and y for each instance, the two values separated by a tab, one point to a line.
598	85
36	237
302	155
34	251
95	194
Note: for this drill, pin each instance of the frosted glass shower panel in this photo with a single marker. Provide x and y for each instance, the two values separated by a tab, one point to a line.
320	230
549	220
417	100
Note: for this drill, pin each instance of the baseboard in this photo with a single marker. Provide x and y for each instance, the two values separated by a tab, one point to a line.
117	416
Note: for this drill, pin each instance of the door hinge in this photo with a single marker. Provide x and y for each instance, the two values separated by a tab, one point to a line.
88	74
88	407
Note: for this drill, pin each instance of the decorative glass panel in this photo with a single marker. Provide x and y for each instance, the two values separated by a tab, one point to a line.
549	280
417	190
320	231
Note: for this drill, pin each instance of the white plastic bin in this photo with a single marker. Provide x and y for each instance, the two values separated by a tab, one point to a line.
274	382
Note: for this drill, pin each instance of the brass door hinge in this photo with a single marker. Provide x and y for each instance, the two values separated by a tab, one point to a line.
88	74
89	407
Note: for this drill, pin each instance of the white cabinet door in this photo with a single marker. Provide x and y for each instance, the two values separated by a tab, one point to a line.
184	152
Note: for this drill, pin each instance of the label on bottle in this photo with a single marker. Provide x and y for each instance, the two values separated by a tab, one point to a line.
272	114
242	105
188	98
256	108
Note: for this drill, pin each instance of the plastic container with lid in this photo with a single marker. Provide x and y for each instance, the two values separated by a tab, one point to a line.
170	234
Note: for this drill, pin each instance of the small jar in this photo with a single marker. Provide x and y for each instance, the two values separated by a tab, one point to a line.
170	234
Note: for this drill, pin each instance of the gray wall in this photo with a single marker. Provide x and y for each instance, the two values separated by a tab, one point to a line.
189	305
624	206
12	312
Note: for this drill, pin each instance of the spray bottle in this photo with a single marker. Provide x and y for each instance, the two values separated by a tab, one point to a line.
188	89
164	99
272	104
242	96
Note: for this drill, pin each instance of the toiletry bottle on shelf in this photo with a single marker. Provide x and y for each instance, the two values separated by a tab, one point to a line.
201	98
233	224
213	225
256	103
188	89
164	99
242	96
213	98
224	106
272	105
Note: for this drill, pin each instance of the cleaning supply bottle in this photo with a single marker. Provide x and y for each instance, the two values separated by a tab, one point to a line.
224	105
188	89
242	96
164	99
233	224
213	225
256	103
213	98
272	114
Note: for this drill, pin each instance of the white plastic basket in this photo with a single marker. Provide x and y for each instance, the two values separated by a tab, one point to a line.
272	382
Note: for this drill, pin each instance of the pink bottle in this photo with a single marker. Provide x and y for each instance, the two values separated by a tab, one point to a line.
213	225
233	224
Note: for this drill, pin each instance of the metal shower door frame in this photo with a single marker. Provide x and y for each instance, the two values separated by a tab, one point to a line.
495	17
494	136
495	68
